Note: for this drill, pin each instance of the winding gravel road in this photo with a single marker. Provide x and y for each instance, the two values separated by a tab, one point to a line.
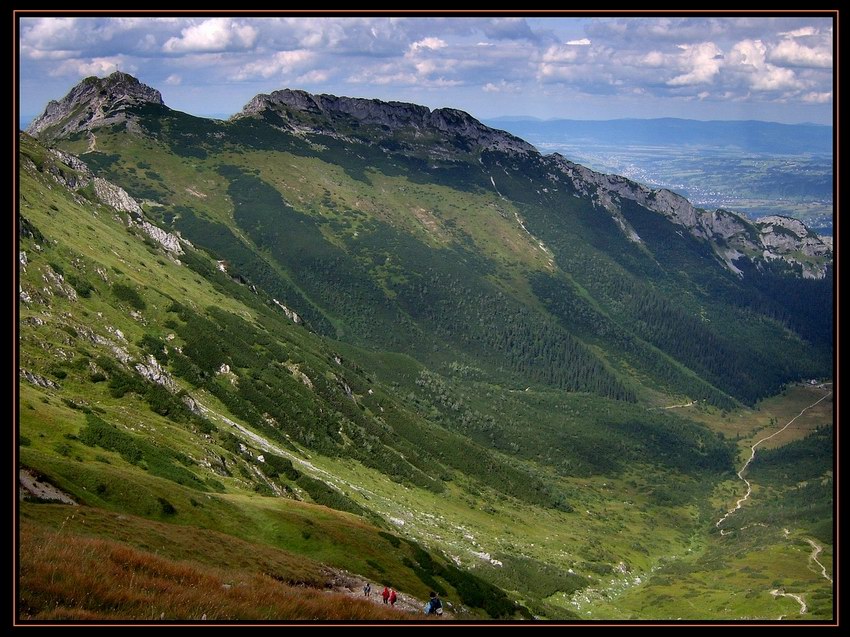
753	455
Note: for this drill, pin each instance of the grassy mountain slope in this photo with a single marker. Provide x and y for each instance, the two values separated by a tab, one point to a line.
92	424
404	328
388	249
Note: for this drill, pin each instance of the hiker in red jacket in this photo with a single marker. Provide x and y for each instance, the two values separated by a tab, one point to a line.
385	594
393	597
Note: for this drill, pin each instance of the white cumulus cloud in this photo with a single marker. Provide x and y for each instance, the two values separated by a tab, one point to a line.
701	62
800	33
95	66
560	54
52	33
501	87
280	63
316	76
775	78
46	54
214	34
750	58
653	58
818	98
431	44
792	53
748	53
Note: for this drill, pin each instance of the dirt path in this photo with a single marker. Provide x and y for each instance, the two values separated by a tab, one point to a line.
816	549
406	605
799	598
690	404
753	455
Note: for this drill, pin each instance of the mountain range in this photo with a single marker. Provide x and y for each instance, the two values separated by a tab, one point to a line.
760	169
750	136
466	349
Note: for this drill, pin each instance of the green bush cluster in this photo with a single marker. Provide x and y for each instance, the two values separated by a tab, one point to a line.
275	466
159	460
266	388
129	295
537	579
322	494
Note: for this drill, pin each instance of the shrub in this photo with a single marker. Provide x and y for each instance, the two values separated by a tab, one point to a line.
321	493
389	537
167	507
81	285
62	449
129	295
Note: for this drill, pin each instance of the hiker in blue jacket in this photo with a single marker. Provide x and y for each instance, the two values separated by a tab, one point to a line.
434	605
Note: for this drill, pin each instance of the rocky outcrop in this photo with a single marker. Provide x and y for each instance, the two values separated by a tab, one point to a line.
73	173
391	114
292	315
296	372
37	379
731	235
115	196
154	372
304	111
56	284
93	103
33	485
607	190
167	240
78	177
784	235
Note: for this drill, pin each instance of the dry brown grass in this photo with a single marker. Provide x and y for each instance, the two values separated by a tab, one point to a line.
70	577
772	415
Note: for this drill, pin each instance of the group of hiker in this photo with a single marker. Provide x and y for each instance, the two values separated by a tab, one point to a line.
388	594
433	607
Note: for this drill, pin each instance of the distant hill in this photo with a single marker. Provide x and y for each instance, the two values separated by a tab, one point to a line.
747	135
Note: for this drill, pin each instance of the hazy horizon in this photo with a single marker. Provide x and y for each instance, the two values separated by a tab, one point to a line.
25	119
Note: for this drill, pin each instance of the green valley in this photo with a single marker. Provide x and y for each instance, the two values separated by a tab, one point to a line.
332	341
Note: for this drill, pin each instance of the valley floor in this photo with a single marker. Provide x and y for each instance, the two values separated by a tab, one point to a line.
755	570
751	568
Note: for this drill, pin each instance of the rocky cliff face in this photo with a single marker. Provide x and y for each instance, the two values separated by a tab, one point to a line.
787	235
393	116
731	235
93	103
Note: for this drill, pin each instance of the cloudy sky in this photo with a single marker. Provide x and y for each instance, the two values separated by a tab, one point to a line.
777	69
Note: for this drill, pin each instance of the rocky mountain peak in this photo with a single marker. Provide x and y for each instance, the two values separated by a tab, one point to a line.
332	114
92	103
